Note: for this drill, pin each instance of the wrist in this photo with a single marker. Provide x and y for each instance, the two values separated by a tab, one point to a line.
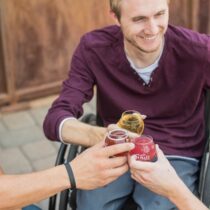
178	193
95	134
76	132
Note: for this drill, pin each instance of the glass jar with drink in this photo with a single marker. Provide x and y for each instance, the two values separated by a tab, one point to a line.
131	120
116	136
144	148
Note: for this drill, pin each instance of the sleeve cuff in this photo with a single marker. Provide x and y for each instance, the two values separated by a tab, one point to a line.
61	126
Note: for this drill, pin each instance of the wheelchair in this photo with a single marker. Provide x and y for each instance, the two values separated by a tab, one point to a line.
66	153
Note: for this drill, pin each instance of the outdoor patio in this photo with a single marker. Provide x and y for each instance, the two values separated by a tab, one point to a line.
23	146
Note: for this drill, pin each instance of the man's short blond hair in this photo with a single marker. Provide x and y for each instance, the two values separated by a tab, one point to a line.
115	7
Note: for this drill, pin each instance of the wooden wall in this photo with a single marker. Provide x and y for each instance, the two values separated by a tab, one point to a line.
38	37
204	16
184	13
194	14
2	73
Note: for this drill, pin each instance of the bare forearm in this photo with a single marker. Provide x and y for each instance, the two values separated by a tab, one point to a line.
74	131
184	199
21	190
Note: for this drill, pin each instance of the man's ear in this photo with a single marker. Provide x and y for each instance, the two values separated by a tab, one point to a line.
114	17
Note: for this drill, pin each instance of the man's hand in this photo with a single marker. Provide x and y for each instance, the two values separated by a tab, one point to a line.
160	177
96	166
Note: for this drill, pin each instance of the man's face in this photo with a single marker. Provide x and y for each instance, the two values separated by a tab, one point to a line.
144	23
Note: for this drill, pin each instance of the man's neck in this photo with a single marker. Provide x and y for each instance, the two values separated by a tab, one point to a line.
142	59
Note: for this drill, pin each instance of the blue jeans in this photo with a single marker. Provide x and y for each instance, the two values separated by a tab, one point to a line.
114	195
31	207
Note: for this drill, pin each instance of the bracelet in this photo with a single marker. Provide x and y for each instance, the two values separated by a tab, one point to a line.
71	175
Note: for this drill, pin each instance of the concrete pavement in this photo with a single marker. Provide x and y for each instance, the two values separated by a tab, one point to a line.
23	146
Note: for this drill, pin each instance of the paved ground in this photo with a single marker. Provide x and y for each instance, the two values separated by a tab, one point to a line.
23	146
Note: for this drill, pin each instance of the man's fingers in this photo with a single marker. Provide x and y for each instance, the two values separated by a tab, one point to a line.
99	145
132	135
140	165
112	127
143	116
110	151
116	161
116	172
113	174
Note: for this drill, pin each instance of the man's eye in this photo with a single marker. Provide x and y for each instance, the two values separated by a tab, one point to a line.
160	14
138	19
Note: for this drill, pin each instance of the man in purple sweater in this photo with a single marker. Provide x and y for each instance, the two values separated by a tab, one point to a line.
146	65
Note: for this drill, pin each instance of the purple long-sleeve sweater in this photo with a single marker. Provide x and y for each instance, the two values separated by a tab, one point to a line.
173	100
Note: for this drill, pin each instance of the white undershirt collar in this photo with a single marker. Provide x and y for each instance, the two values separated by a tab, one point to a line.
145	73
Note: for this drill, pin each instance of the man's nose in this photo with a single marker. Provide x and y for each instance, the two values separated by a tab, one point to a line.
151	27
